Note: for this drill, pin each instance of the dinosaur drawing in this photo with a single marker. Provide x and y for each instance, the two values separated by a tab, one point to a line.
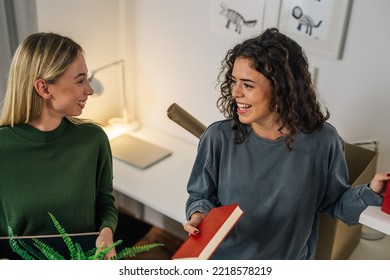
236	18
304	20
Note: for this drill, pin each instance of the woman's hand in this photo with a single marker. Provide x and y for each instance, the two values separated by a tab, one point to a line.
378	183
104	240
191	226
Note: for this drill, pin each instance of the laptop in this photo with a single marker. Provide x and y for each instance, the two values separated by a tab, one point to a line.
137	152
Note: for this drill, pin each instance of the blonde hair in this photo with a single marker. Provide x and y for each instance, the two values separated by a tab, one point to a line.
40	56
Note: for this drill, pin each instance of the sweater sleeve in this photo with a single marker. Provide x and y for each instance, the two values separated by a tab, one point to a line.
202	184
341	200
106	211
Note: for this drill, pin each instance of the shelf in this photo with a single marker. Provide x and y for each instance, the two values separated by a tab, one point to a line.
373	217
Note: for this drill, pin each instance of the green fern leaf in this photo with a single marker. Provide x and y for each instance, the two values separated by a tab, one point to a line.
133	251
90	253
75	249
67	240
47	251
80	252
21	248
20	251
101	253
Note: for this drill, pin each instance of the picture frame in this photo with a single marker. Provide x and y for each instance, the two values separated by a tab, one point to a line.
237	19
319	26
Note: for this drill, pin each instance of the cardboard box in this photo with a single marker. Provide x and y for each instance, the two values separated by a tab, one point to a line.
336	240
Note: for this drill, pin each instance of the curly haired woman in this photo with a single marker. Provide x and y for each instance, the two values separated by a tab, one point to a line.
275	155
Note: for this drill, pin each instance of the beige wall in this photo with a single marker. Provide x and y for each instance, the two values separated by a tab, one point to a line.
94	25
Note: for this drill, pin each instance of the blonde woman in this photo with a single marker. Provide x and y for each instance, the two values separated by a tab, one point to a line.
51	161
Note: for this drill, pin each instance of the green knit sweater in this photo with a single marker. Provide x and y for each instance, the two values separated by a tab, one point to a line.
67	172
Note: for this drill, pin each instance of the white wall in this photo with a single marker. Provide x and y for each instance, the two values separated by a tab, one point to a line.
94	25
172	56
176	60
356	88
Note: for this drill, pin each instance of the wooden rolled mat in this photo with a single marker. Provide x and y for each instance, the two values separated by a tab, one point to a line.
185	120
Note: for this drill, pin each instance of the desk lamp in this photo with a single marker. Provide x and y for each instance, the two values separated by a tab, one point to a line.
125	147
127	121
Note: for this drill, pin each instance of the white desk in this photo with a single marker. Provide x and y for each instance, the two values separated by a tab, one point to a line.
374	218
162	186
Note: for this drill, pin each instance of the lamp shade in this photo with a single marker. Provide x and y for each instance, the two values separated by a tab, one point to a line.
128	117
96	85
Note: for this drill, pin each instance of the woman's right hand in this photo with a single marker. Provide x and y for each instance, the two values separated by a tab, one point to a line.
192	224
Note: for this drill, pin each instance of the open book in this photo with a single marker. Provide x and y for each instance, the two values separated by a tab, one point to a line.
87	241
213	230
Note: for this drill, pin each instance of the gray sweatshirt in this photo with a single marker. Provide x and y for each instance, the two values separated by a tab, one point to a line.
280	191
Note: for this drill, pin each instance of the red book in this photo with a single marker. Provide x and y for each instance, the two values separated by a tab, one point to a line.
386	200
212	231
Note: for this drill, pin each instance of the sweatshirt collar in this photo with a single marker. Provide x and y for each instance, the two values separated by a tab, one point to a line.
36	135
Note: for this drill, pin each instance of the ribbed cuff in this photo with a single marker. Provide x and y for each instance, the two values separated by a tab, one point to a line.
370	197
203	206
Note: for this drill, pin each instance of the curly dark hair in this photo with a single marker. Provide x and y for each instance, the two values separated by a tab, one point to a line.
281	60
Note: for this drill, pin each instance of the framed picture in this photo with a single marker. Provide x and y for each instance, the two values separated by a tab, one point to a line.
319	26
237	19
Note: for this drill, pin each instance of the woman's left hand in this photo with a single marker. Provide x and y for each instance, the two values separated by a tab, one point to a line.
378	183
104	240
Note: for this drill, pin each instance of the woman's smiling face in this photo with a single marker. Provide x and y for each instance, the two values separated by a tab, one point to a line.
70	92
253	94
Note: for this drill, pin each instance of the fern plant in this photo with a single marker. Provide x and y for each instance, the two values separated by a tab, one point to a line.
42	251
